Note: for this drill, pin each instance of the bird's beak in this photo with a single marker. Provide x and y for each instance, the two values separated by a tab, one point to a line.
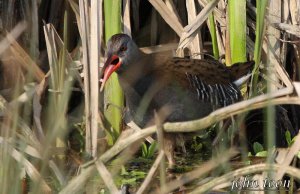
112	64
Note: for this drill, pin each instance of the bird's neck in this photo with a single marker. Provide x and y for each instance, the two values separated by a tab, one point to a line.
139	74
135	67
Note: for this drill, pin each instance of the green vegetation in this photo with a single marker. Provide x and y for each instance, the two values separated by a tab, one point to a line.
237	30
45	142
113	95
148	151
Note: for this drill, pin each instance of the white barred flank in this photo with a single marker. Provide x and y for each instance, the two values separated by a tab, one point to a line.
218	94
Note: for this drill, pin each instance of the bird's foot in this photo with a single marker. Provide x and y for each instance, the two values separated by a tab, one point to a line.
171	162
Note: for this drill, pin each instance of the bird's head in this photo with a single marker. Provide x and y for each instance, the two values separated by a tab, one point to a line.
121	52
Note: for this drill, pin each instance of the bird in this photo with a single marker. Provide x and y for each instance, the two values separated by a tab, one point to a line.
190	88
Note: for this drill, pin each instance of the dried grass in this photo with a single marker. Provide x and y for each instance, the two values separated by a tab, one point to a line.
37	142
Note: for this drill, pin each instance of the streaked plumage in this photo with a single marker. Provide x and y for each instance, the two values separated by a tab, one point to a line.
191	88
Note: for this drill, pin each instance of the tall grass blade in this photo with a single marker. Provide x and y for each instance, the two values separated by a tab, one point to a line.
260	28
213	33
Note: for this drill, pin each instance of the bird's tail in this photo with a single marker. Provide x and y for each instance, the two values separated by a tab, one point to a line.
241	71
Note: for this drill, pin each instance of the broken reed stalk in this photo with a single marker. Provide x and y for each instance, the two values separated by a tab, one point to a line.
59	98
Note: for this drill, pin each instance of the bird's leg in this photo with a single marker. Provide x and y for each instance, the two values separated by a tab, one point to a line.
169	145
222	131
180	141
126	115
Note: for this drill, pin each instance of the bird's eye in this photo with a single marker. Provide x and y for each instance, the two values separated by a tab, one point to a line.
123	48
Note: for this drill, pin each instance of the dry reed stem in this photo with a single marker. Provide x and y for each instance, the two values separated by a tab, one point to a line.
85	33
220	114
93	68
201	171
106	177
293	150
57	172
135	127
285	19
15	33
196	45
25	131
218	14
51	50
170	4
76	183
294	11
167	15
37	107
188	126
151	173
28	149
161	147
58	42
273	35
29	168
22	98
76	10
289	28
126	17
255	103
24	59
189	30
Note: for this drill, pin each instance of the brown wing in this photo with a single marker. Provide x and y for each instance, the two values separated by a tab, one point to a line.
210	71
209	79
